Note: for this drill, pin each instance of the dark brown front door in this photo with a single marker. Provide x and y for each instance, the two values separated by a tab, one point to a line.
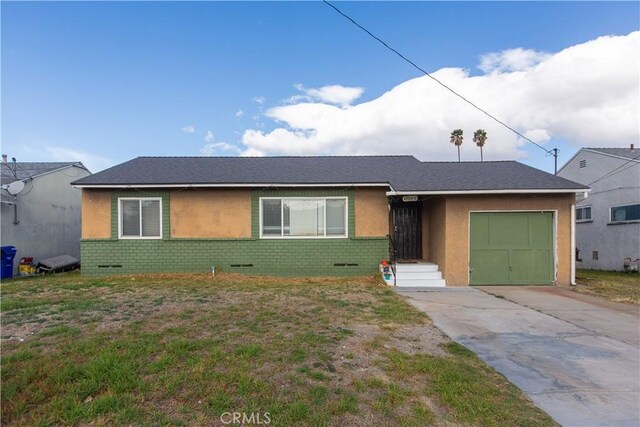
407	230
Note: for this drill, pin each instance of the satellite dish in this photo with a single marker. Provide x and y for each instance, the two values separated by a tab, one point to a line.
15	187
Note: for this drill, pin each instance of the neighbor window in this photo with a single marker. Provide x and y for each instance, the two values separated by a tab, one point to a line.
583	214
140	218
625	213
303	217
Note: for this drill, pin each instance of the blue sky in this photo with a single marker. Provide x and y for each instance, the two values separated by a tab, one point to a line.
106	82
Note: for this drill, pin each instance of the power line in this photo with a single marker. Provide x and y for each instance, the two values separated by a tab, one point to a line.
613	171
14	171
551	152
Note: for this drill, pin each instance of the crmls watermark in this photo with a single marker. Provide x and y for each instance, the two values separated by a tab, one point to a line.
242	418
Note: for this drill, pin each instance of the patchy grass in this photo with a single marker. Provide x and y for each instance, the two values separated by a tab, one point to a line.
613	285
183	349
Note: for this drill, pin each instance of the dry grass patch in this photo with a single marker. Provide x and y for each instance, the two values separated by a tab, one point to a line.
183	349
613	285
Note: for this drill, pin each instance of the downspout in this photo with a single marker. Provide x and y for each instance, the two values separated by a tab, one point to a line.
573	245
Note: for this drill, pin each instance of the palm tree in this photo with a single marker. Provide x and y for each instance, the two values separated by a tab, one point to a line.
456	138
480	137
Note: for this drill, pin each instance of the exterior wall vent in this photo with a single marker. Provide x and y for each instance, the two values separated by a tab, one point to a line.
583	164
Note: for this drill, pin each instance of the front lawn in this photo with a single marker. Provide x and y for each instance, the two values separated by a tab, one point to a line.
613	285
185	349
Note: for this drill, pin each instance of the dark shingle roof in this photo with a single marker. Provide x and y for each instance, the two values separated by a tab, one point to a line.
403	173
25	170
253	170
481	176
620	152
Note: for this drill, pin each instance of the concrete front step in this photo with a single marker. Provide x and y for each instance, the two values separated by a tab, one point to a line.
420	283
415	267
419	274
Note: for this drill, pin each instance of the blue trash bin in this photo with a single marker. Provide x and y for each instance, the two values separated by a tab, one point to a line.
8	254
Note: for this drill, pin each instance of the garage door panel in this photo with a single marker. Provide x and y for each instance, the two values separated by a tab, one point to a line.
541	230
506	231
530	266
480	230
511	248
490	267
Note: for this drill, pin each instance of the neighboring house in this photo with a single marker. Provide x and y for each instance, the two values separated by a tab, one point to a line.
466	223
608	220
43	219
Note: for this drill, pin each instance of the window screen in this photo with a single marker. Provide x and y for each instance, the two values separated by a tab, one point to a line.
625	213
304	217
336	221
271	217
583	214
140	218
150	218
130	217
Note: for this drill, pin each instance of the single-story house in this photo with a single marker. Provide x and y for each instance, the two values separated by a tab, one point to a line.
456	223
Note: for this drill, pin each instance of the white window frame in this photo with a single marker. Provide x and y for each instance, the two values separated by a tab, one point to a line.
283	198
584	220
140	199
611	221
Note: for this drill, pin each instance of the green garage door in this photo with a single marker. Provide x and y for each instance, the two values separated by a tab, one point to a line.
511	248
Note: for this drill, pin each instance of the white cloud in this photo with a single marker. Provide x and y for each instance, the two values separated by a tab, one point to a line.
239	113
512	60
209	136
250	152
57	153
587	94
188	129
332	94
259	100
219	148
538	135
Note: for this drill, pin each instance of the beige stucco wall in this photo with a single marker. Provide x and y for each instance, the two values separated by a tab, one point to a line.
455	262
96	214
425	229
372	212
210	213
435	208
224	213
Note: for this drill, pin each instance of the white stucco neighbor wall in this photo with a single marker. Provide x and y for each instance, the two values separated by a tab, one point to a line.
613	242
49	217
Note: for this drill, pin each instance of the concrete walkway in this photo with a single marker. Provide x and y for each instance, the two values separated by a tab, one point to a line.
576	356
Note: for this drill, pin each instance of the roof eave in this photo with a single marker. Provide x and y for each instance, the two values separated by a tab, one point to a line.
250	185
70	165
506	191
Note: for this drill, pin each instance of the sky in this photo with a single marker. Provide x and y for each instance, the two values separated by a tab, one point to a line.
104	82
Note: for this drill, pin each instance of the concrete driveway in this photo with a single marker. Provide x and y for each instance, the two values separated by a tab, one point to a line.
576	356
